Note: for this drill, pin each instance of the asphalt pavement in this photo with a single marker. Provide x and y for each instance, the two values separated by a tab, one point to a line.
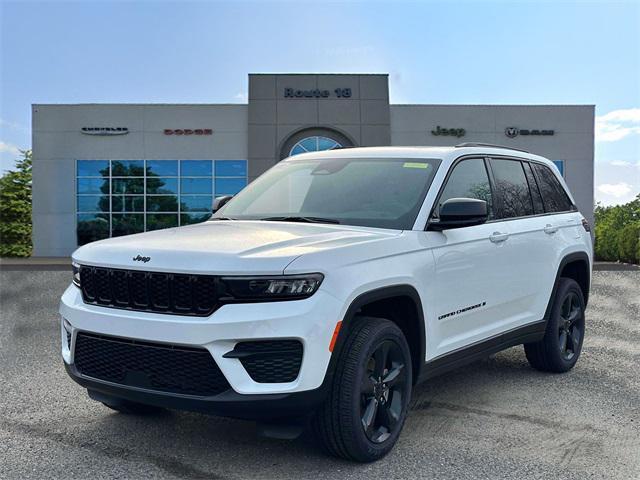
494	419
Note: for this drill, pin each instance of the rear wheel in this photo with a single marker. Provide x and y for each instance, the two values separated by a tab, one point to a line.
560	348
367	405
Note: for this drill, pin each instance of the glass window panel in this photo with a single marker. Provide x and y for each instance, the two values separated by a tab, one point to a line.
195	168
469	179
191	218
158	221
297	150
230	186
93	168
93	185
538	207
92	203
309	144
196	185
513	189
560	165
125	224
157	185
231	168
201	203
127	168
92	227
127	185
553	195
122	203
325	143
165	203
162	168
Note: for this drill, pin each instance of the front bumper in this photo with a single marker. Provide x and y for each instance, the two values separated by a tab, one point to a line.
227	404
311	321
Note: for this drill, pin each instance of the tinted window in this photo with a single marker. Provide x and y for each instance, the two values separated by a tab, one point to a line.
554	197
533	187
513	189
469	179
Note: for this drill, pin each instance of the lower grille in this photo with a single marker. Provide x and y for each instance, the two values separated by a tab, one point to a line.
269	361
152	366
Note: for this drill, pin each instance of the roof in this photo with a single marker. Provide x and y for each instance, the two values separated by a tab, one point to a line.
444	153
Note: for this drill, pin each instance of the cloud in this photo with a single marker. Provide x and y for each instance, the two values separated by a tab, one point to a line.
618	124
617	190
624	163
8	148
242	96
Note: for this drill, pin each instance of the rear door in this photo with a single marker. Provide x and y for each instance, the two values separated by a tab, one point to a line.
531	243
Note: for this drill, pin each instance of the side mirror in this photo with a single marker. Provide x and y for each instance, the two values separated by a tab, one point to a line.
458	213
220	202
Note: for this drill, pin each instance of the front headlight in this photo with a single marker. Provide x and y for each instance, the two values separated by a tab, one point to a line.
284	287
76	274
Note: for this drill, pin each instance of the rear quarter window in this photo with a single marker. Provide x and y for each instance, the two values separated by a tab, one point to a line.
554	197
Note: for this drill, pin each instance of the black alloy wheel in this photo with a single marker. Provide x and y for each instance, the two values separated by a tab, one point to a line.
369	395
570	326
383	384
559	349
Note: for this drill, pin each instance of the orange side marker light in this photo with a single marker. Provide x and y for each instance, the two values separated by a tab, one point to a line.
334	337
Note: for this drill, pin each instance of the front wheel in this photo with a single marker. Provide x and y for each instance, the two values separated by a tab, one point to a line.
367	405
559	349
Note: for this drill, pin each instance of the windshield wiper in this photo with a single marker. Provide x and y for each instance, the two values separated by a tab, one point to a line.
301	219
221	218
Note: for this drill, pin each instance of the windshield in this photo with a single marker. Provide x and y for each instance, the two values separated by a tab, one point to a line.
381	192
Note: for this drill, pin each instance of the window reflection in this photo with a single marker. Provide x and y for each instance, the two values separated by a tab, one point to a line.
120	197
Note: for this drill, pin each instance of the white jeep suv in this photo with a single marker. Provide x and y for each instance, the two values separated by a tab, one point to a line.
331	285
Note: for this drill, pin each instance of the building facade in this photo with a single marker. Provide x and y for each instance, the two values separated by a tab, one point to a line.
103	170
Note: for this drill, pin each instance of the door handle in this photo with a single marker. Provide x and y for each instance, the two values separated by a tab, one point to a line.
548	228
497	237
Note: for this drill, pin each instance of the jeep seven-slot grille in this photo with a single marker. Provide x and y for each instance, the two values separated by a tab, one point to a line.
173	293
152	366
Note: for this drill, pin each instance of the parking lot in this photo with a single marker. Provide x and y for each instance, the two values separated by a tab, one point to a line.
493	419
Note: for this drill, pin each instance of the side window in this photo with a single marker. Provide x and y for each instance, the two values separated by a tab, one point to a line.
512	189
469	179
538	207
554	197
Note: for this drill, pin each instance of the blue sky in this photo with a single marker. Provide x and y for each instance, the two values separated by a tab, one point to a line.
454	52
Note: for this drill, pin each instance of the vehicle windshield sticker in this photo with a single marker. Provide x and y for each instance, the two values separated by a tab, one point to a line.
415	165
462	310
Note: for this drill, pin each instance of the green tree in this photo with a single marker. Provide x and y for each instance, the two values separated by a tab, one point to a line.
617	232
15	209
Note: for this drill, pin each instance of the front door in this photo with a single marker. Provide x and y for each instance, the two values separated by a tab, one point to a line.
473	267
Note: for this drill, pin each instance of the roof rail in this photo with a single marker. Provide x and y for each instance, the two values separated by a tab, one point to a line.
476	144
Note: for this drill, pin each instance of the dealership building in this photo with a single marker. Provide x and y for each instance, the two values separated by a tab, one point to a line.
103	170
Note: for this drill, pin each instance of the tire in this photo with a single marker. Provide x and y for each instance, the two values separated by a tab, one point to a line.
357	397
560	348
132	408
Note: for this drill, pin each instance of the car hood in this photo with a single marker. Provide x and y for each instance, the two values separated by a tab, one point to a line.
225	247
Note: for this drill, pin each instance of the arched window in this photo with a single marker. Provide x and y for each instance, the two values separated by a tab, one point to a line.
315	143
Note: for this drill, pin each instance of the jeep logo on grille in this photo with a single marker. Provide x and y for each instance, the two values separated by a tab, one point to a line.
142	259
